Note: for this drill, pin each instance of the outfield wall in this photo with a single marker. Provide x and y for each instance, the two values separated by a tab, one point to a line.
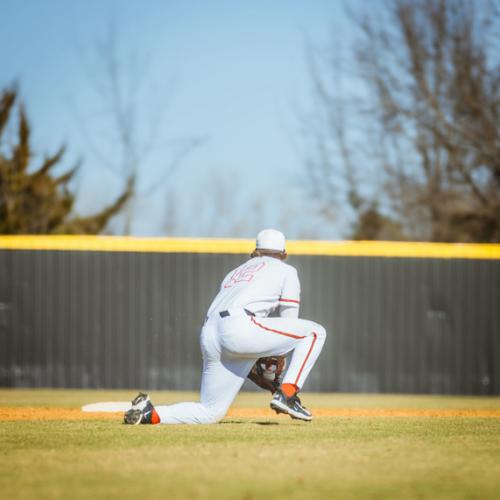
104	312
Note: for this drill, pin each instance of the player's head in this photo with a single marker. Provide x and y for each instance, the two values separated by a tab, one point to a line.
270	242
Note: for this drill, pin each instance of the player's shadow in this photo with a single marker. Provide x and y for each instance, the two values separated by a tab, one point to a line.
246	422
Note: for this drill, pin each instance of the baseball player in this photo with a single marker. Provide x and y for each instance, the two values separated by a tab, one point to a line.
238	330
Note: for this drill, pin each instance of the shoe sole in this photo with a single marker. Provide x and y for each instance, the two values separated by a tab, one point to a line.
279	407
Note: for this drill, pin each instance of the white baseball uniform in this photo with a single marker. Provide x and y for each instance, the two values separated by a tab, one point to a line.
238	331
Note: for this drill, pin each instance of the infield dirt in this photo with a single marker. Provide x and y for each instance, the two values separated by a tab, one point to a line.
357	447
34	413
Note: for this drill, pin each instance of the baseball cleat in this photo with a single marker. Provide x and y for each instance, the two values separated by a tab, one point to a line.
142	411
278	403
132	417
291	406
140	401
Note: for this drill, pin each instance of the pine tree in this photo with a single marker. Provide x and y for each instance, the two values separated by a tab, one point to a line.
34	200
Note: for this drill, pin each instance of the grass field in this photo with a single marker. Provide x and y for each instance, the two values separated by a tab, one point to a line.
365	446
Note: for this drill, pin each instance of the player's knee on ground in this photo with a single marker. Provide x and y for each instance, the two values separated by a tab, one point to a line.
214	414
218	414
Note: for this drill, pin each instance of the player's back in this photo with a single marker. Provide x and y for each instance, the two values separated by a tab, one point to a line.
257	285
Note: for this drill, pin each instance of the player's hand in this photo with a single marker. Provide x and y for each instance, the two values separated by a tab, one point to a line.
266	372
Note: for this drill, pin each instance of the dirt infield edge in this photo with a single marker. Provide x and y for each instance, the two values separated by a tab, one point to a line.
49	413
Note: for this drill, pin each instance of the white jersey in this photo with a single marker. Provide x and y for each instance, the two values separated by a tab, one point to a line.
231	343
262	285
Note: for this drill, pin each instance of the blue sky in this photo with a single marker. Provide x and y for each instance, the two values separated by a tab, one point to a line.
231	74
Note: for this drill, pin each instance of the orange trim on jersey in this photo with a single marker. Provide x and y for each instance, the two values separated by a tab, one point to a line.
290	300
293	336
306	358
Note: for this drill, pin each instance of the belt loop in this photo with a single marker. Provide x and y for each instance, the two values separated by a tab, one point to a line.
225	314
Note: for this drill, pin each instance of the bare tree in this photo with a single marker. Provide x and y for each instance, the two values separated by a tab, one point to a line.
210	207
214	206
132	114
426	160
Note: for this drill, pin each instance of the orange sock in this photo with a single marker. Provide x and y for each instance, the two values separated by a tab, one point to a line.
289	390
155	418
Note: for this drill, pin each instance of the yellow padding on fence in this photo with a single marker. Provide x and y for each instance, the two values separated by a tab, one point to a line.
245	246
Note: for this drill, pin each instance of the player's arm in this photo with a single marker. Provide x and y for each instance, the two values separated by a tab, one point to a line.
290	295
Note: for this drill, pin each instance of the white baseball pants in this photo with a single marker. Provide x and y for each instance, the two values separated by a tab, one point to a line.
230	347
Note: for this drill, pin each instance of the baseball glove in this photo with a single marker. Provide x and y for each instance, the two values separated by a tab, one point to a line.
266	372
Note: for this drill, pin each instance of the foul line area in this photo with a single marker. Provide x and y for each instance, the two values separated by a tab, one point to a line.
44	413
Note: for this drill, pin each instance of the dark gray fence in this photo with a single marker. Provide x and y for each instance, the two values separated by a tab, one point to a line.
126	320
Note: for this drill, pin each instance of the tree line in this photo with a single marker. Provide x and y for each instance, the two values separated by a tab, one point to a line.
412	153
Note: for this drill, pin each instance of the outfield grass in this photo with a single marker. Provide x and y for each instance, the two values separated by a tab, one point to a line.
272	457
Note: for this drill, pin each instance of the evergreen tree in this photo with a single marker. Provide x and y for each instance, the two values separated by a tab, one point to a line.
34	200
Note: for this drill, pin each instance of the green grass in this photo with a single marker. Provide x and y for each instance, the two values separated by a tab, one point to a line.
269	458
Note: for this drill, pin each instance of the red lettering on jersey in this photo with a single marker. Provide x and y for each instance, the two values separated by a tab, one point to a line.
245	273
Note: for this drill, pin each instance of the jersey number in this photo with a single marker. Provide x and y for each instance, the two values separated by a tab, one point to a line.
246	273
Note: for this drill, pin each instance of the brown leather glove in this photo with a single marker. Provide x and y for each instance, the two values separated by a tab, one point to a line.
266	372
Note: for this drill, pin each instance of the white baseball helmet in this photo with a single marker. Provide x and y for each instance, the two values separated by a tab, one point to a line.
270	239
